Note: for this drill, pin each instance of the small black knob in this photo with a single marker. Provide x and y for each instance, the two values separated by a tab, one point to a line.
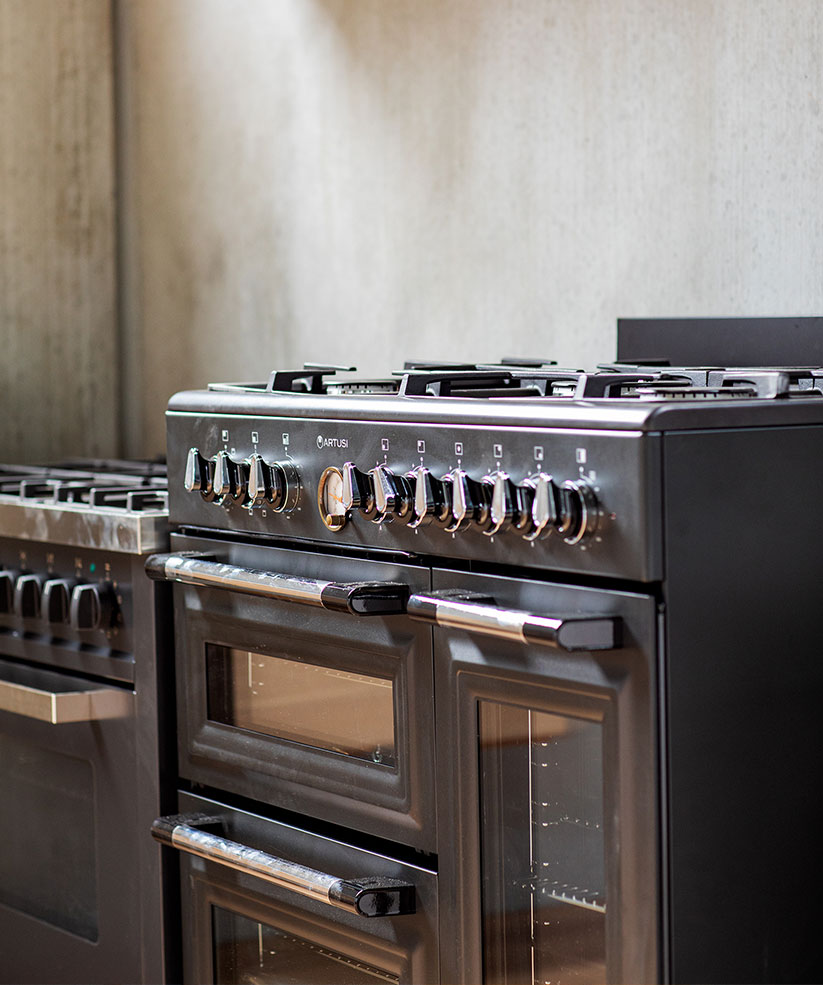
27	593
56	600
91	607
7	582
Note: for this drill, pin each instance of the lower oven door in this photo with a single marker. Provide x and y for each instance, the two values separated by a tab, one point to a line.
68	874
241	927
546	745
309	708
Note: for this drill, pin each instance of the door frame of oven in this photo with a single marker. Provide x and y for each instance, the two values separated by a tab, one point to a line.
402	945
110	749
395	803
618	687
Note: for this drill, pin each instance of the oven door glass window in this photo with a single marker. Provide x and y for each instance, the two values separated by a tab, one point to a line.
319	706
247	952
47	829
542	843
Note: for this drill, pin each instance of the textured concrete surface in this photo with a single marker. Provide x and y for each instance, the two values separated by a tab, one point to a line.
356	181
58	366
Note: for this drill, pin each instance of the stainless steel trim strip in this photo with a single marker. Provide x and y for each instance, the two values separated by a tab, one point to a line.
63	708
103	527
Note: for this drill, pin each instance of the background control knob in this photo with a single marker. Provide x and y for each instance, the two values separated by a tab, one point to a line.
579	510
27	592
55	601
92	607
7	583
199	474
545	506
358	490
431	498
392	494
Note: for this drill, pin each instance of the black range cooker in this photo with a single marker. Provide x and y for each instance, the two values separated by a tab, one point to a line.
84	701
500	673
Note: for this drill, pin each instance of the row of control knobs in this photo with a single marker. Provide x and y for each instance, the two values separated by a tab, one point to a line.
56	601
251	482
534	508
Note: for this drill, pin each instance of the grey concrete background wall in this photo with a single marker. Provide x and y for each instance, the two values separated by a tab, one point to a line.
357	181
58	332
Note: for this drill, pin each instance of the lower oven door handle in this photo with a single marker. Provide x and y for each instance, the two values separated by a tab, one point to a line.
477	614
368	896
362	598
64	707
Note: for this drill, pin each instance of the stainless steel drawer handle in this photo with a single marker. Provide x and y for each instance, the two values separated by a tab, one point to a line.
369	896
362	598
478	614
64	707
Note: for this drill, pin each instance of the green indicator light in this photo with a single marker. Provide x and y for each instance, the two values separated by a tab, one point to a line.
92	566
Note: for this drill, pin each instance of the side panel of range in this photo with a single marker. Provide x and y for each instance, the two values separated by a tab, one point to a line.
601	487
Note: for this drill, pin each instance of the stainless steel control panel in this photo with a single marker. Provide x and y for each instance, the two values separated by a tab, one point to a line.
568	500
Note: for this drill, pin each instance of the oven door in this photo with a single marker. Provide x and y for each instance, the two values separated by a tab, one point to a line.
546	744
288	697
241	925
68	879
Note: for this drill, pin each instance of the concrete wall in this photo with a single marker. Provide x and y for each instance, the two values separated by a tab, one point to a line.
58	326
357	181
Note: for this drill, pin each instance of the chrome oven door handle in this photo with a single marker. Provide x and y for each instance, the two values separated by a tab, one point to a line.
477	613
64	707
369	896
362	598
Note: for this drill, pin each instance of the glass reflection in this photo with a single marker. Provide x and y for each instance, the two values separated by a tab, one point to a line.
543	847
247	952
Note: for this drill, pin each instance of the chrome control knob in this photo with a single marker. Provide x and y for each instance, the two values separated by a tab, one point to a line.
469	500
579	511
545	506
431	498
392	494
510	504
230	481
262	484
358	491
285	484
199	474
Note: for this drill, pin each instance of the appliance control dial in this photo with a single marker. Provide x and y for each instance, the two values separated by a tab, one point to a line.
392	494
7	582
55	601
92	607
262	482
510	504
285	479
469	501
230	479
579	510
545	505
199	475
27	593
358	491
431	498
